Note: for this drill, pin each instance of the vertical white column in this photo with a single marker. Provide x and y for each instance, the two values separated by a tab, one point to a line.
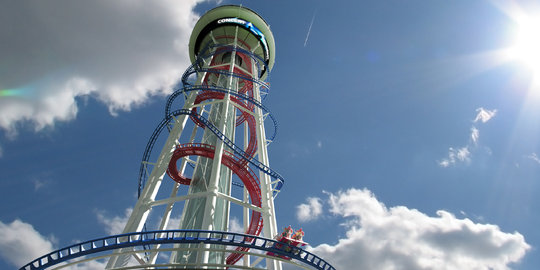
210	207
269	217
246	193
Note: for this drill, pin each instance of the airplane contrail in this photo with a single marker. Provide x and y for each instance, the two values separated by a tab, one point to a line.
309	30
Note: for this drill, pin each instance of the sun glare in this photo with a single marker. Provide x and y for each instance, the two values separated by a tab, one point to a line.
526	47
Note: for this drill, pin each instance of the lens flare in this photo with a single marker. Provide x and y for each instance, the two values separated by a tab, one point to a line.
11	92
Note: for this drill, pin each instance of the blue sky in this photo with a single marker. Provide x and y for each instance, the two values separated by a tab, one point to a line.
405	131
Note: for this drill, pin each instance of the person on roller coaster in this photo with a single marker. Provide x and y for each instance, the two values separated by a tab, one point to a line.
298	235
287	239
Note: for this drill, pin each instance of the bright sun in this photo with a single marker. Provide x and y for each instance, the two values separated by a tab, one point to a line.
526	47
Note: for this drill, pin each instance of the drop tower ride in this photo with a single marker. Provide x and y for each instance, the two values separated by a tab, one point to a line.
212	168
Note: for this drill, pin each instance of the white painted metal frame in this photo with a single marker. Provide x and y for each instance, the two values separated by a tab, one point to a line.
147	199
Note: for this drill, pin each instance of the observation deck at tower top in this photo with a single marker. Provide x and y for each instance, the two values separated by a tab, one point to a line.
224	20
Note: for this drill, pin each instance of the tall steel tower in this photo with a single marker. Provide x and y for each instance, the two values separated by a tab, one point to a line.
207	196
232	50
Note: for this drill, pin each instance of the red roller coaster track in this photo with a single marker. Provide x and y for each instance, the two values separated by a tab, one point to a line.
238	165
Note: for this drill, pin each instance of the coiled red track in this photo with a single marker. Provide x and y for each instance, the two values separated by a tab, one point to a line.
238	165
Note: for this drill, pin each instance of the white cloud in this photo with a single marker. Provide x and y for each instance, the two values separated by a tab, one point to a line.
38	184
319	144
236	226
310	210
475	134
463	154
20	243
114	225
120	52
90	265
444	163
456	155
534	157
173	224
484	115
379	237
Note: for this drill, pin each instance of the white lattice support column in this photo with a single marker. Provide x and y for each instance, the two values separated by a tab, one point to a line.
142	208
245	210
269	216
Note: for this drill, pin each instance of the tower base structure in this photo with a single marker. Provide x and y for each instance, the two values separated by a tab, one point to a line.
206	200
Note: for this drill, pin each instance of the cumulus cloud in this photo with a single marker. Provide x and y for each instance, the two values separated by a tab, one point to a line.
119	52
484	115
20	243
310	210
236	226
114	225
379	237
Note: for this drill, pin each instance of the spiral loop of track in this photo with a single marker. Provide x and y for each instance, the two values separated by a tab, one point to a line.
237	159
